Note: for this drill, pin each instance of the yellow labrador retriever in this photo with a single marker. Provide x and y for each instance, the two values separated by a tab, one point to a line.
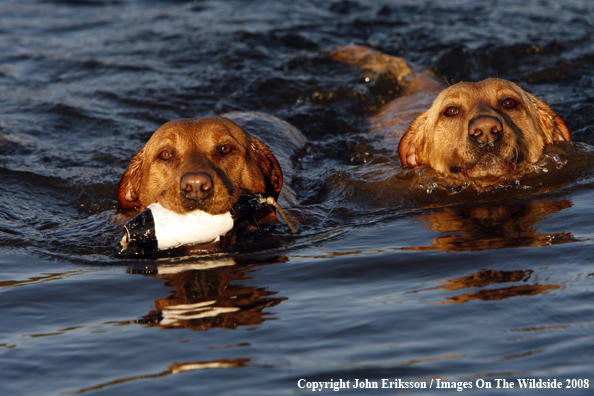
471	131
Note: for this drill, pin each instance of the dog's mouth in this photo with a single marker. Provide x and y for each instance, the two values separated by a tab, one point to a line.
489	166
214	204
190	204
220	201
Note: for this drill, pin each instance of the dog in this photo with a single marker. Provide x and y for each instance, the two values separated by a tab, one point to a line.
482	130
469	131
206	164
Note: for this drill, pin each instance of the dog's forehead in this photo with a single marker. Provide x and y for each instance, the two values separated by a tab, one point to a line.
486	92
497	89
205	131
459	92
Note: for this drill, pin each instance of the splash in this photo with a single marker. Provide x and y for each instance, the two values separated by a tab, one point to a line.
528	177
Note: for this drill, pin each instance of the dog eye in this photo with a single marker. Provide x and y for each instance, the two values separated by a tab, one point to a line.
509	103
451	111
165	155
225	149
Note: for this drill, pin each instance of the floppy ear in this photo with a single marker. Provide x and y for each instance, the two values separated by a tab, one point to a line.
130	184
412	144
270	167
553	126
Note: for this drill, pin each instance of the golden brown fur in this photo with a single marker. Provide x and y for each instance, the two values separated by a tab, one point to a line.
214	149
482	130
448	136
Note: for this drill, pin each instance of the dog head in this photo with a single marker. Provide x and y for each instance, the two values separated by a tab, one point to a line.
204	164
482	130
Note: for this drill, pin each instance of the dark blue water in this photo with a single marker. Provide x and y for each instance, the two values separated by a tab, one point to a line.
389	278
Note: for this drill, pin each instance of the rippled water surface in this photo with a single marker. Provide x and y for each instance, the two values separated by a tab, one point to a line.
392	276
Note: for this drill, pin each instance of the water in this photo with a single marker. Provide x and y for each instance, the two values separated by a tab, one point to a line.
393	275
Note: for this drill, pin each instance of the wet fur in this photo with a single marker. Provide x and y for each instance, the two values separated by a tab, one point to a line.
195	145
443	142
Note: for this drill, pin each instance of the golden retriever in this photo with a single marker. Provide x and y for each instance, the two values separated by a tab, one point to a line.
482	130
471	131
206	164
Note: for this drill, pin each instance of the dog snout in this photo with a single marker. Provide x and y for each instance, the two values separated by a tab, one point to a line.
196	186
485	130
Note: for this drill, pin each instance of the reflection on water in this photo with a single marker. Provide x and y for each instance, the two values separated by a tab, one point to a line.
492	277
486	278
489	226
493	226
176	368
40	279
207	295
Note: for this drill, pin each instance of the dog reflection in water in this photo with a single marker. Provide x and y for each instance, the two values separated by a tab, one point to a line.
492	226
484	279
208	295
487	227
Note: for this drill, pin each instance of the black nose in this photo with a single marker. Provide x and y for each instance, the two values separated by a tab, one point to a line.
485	130
196	186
